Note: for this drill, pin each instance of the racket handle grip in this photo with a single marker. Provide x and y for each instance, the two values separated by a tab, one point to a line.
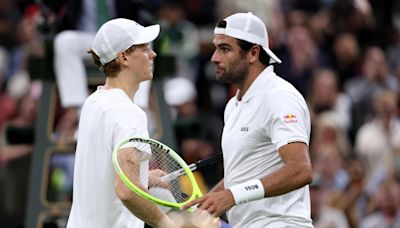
177	173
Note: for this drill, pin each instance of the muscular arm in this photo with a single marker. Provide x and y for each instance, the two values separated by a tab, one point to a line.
295	172
143	209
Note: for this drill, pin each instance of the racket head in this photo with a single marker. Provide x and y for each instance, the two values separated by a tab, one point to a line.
159	157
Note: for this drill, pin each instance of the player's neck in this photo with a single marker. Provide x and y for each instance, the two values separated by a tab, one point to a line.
122	82
251	77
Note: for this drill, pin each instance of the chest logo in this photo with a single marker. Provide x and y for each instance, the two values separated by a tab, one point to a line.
244	129
290	118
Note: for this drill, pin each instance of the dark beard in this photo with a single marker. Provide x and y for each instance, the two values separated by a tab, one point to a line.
236	76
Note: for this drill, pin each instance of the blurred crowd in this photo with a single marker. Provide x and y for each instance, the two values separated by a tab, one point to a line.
342	55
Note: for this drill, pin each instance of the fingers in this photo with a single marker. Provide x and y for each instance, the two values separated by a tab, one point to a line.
191	204
211	209
216	203
203	204
157	172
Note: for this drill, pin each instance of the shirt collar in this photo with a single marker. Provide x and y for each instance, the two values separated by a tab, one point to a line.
257	84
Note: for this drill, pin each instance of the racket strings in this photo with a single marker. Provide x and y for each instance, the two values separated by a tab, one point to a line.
155	163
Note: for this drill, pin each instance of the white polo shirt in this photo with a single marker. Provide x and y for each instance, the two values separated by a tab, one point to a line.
108	116
271	114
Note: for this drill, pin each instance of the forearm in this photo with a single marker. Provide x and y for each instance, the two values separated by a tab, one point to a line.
218	187
143	209
286	179
295	173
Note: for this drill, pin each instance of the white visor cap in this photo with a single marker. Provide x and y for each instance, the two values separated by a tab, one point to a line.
250	28
118	35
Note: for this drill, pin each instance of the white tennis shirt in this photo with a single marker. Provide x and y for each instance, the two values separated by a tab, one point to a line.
108	116
271	114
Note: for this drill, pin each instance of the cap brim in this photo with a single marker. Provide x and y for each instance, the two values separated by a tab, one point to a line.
148	34
274	58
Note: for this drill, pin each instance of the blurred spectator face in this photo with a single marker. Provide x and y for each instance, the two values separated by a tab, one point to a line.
327	128
172	12
330	161
319	25
356	170
299	40
302	49
323	90
187	109
346	49
296	18
375	65
387	197
26	30
28	108
385	104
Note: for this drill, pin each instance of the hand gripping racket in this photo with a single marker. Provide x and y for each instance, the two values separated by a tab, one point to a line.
165	189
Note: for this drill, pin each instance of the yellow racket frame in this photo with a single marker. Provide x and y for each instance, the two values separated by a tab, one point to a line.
196	193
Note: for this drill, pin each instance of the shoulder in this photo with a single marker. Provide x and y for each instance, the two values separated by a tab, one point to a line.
282	93
117	107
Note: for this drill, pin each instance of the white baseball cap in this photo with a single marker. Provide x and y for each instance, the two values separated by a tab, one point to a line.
118	35
250	28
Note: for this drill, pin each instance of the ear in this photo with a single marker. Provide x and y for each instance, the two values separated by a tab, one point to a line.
254	53
122	58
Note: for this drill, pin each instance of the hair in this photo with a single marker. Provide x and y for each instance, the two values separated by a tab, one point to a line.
245	46
110	69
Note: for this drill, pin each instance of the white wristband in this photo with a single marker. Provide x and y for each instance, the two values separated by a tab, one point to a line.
247	191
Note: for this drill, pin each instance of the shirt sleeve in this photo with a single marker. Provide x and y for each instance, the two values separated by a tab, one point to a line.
131	123
289	119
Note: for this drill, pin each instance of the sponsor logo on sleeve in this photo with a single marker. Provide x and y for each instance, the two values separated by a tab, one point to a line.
289	118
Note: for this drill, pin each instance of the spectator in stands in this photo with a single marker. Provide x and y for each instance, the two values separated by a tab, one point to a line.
322	214
300	60
16	145
377	139
324	95
387	212
328	162
327	130
353	199
179	40
362	90
346	54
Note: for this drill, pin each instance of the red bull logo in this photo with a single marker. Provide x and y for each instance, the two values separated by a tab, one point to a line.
290	118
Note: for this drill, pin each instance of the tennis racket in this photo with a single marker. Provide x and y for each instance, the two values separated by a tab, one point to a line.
193	167
156	157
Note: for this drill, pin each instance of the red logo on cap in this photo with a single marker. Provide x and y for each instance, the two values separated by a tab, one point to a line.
290	118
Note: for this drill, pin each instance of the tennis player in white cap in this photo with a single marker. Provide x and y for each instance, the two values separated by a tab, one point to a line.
121	48
266	134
